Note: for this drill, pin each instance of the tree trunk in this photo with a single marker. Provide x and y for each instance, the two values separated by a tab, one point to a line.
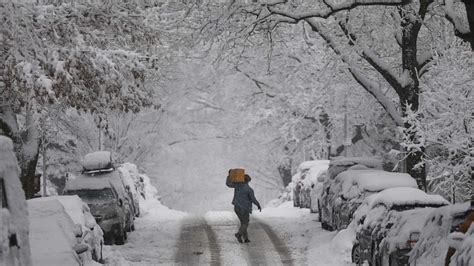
409	94
285	172
470	17
28	171
26	145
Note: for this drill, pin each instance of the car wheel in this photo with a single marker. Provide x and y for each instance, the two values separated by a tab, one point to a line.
324	225
94	256
356	255
101	258
319	211
120	239
133	227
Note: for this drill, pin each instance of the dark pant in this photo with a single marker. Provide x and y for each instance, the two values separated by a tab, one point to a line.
244	217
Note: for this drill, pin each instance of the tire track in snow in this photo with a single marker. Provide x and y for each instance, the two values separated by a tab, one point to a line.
265	247
280	246
197	244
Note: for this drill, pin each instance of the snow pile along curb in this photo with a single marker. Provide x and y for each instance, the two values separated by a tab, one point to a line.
150	204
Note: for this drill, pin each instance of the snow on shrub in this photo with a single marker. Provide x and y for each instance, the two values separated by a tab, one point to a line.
150	201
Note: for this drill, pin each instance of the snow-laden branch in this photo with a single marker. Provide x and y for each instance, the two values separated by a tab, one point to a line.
453	17
367	84
330	9
392	78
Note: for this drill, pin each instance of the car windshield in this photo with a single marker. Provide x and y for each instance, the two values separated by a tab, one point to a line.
93	195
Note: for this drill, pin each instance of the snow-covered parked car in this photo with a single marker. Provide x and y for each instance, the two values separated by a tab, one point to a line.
14	242
353	186
131	189
432	247
329	191
80	214
316	175
390	224
54	238
106	204
302	184
99	165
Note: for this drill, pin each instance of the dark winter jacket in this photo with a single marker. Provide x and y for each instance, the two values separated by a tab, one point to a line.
243	195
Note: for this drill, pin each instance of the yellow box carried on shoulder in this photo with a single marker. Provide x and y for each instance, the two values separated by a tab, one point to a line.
237	175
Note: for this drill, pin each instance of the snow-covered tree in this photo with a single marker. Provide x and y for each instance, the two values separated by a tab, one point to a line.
89	56
386	45
444	123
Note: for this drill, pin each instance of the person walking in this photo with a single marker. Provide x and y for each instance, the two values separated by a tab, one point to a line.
242	201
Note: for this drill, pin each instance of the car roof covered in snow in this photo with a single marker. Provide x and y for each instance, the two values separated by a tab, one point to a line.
97	160
51	233
72	204
354	182
340	164
308	164
405	196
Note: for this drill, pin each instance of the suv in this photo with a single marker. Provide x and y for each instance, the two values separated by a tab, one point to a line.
352	186
390	225
14	242
106	205
329	190
99	164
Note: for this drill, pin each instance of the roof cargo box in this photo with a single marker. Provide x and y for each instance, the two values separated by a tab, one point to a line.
97	160
237	175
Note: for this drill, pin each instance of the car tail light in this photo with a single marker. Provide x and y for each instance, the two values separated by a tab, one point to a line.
414	237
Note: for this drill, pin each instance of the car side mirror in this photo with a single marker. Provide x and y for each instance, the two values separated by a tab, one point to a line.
455	239
77	229
90	223
362	219
312	185
120	202
80	248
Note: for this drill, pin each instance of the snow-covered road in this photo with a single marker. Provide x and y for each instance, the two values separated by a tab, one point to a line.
279	236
